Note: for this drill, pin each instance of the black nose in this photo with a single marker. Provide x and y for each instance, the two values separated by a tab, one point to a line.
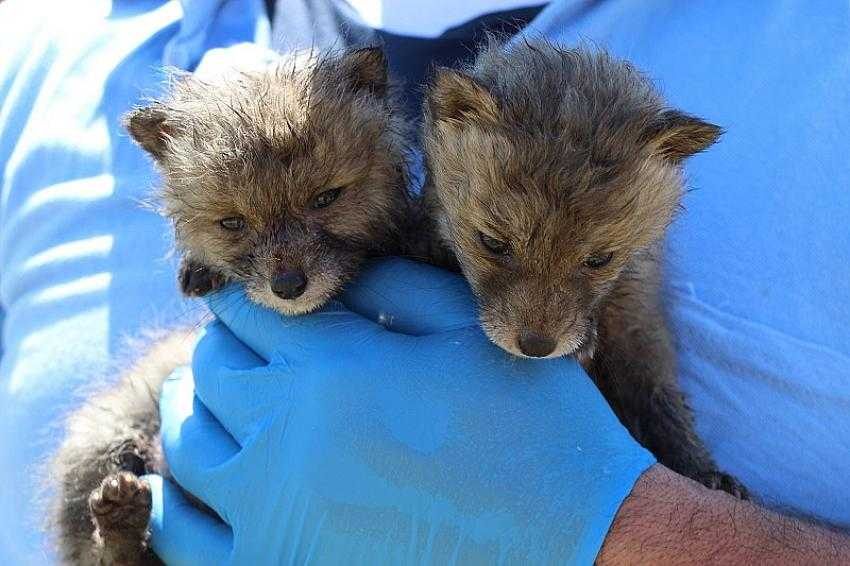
535	345
289	284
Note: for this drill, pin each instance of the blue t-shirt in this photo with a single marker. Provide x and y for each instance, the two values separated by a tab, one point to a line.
758	280
83	265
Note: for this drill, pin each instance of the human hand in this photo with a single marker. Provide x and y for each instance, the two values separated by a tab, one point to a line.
331	437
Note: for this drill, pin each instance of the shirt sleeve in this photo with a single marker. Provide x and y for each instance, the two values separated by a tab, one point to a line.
84	264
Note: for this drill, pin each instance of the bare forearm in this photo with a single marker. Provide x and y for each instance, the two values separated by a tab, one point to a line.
671	519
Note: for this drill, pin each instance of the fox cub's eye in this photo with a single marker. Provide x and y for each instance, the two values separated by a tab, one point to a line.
598	260
325	198
498	247
233	224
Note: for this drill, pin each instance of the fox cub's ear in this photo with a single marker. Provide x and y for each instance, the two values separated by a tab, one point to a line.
677	136
459	99
150	128
366	69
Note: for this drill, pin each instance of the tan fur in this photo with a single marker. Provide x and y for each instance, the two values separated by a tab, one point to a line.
564	156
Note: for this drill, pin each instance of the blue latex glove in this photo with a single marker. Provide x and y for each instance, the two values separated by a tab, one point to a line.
346	441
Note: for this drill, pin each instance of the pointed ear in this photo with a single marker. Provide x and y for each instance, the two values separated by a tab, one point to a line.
149	127
677	136
366	70
457	98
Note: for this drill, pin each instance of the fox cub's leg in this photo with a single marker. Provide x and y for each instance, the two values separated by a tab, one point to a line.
634	367
101	508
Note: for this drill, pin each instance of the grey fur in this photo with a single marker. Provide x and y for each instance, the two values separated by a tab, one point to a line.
560	157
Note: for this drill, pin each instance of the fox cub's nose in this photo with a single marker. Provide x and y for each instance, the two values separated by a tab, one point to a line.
535	345
289	284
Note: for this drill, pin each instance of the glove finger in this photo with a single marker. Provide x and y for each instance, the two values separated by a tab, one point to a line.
217	348
238	398
411	298
334	331
183	534
195	444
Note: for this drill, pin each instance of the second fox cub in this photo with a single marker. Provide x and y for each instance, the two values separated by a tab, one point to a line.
554	174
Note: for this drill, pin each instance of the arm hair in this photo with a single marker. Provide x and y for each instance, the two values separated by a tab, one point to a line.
669	519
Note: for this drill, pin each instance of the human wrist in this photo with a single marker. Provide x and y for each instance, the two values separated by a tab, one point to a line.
667	517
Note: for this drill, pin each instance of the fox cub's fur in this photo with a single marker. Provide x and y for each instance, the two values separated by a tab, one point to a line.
554	174
283	180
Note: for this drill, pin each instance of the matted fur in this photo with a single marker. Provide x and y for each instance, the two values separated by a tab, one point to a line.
567	158
260	146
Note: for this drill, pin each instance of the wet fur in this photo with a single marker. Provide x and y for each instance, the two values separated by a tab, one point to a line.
260	145
566	155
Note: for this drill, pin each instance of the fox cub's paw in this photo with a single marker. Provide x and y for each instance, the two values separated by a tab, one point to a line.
724	482
121	508
196	280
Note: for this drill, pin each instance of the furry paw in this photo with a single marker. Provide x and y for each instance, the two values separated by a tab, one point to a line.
724	482
121	505
196	280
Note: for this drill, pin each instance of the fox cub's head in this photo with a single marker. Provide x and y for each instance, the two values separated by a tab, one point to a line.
552	169
282	179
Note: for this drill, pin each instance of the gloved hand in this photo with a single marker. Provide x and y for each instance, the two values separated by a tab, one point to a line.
387	430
